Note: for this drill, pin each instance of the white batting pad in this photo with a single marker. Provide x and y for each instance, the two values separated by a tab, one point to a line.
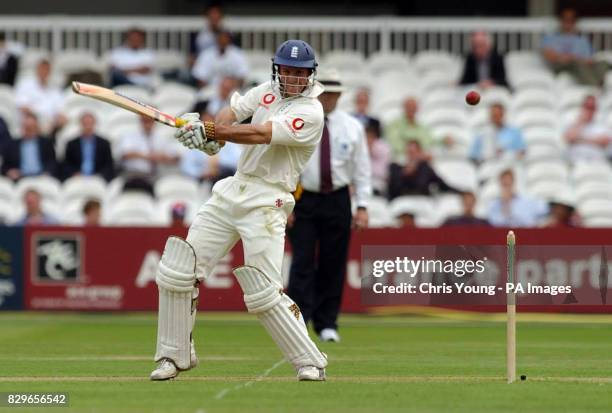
175	281
280	316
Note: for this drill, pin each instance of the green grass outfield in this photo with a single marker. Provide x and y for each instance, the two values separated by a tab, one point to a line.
434	363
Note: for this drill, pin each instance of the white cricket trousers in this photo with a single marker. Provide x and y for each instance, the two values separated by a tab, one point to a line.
248	208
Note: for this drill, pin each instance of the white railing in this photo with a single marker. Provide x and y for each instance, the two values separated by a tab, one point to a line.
366	35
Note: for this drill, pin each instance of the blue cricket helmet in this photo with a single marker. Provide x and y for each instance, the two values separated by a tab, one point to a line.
295	53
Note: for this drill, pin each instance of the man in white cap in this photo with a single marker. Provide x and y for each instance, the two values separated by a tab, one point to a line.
321	229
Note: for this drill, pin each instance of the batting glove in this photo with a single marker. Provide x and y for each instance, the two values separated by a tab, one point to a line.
197	135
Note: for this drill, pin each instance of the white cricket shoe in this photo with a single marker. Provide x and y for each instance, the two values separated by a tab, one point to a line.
311	373
168	370
329	334
165	370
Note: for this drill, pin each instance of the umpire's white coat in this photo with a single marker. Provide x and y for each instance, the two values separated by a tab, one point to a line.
253	205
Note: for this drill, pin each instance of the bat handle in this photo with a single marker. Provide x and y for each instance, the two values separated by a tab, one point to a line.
179	123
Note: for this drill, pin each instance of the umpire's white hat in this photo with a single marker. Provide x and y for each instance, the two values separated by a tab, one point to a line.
330	79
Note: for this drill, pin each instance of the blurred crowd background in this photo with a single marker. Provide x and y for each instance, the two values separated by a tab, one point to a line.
535	152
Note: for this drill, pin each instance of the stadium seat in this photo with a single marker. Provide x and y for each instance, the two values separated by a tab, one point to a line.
542	136
542	153
169	60
381	62
594	190
448	205
6	213
176	187
572	98
547	189
591	171
75	60
422	207
259	60
132	209
163	210
355	80
70	131
536	118
592	209
524	59
135	92
598	222
496	94
378	211
47	186
529	79
436	60
171	95
448	97
547	171
530	99
343	60
30	58
436	80
83	187
444	117
7	191
458	174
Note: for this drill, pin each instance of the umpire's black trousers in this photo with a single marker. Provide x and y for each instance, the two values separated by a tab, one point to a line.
320	239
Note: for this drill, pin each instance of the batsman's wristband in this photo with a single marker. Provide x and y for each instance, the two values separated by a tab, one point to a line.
209	130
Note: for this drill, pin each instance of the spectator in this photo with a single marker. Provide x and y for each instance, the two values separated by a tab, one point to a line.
8	62
467	218
362	108
36	95
132	63
89	154
31	155
227	86
561	214
405	219
222	60
406	128
206	38
511	209
92	213
588	140
380	157
498	140
178	212
416	177
567	51
143	153
34	214
483	66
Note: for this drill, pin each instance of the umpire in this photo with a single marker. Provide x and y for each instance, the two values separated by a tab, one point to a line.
321	227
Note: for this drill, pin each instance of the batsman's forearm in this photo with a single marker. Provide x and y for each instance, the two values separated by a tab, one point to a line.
244	134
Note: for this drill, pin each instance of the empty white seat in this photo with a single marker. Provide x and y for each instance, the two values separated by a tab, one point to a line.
343	60
172	94
573	97
594	190
74	60
135	209
541	118
135	92
595	208
592	171
441	98
7	191
547	171
84	187
419	206
547	189
598	222
259	60
496	94
448	205
381	62
434	60
168	60
176	187
444	116
379	214
458	174
530	99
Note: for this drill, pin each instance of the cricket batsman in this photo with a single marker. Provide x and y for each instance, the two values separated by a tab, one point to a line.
286	123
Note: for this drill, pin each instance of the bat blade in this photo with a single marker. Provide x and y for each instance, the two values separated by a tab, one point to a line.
110	96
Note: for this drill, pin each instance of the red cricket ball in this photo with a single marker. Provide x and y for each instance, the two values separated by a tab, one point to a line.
472	97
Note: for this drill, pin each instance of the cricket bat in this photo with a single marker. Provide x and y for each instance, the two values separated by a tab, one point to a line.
125	102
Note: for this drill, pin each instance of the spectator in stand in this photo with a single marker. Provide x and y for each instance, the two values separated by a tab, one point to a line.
144	153
222	60
514	210
31	155
178	212
206	38
561	214
380	158
467	218
567	51
483	66
36	95
89	154
498	140
588	139
406	220
92	213
34	214
406	128
416	177
227	86
362	108
132	63
8	62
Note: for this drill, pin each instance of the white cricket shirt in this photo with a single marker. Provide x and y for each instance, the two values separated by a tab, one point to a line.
297	125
